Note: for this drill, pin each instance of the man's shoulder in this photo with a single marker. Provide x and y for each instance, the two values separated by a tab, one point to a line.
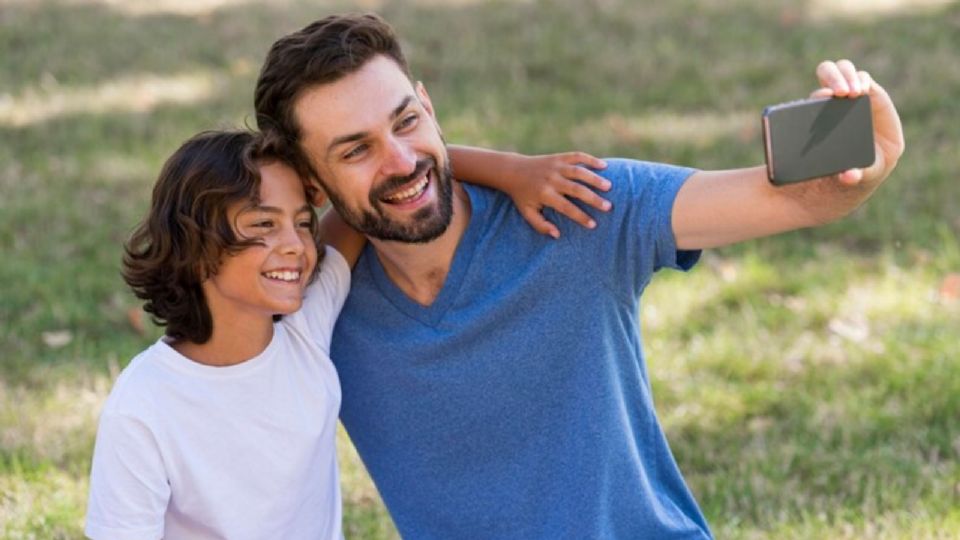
641	171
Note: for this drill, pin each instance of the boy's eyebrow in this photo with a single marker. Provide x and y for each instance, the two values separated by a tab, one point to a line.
361	134
276	210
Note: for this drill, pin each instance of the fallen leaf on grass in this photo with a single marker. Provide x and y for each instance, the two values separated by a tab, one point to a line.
950	288
855	329
57	339
135	318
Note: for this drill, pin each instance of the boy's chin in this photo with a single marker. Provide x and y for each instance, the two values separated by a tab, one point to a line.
290	309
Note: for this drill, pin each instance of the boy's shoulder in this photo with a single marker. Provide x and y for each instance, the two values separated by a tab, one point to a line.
135	387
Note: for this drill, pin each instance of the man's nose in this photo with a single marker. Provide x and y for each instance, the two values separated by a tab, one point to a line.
400	159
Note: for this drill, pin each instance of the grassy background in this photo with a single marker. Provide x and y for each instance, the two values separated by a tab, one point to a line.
810	383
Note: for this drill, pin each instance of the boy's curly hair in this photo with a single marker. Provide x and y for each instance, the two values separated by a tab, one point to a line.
187	232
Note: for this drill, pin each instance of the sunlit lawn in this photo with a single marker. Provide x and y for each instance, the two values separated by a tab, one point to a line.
809	384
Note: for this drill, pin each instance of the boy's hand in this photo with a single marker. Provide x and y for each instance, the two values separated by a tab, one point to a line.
551	181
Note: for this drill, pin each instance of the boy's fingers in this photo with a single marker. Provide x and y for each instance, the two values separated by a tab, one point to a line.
588	177
584	158
539	223
587	195
564	206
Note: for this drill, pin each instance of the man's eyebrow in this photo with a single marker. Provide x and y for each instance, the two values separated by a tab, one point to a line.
361	134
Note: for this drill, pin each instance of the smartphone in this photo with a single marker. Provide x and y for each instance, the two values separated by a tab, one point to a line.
817	137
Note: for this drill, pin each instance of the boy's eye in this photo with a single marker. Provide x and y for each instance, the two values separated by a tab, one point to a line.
262	224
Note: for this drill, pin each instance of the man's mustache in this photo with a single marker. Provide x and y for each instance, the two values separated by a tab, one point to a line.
394	182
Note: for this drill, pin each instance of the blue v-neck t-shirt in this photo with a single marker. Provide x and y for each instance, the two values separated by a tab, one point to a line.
517	404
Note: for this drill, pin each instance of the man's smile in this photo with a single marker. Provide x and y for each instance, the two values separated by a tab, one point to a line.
410	192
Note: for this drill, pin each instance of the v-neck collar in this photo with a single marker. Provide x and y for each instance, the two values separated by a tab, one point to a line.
432	315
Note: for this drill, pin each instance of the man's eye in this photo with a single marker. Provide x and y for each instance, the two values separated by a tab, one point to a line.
355	151
407	121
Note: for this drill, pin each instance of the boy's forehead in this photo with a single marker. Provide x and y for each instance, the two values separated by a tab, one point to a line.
356	102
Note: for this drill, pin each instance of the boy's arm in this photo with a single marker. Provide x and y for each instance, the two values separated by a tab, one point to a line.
129	490
535	182
344	238
715	208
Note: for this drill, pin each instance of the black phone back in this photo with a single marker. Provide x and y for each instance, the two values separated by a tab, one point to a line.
817	137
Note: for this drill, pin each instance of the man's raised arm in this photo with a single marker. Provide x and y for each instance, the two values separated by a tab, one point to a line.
716	208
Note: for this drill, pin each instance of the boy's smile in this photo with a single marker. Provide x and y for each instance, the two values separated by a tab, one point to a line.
267	278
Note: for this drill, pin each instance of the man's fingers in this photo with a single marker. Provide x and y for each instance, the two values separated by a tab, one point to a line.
850	177
849	72
822	93
866	81
831	77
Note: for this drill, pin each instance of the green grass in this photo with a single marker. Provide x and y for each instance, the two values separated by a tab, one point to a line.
809	384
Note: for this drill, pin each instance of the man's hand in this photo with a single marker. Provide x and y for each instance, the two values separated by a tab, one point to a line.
842	79
717	208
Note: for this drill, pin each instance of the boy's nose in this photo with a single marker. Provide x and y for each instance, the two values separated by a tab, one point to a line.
292	241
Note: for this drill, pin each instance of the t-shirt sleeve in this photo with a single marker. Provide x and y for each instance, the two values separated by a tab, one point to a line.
636	238
129	491
324	299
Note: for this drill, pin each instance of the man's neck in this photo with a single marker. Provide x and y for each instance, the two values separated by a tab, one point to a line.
420	270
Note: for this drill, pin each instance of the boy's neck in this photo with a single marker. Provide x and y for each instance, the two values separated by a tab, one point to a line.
231	343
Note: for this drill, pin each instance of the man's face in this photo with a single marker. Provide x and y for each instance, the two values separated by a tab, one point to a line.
373	140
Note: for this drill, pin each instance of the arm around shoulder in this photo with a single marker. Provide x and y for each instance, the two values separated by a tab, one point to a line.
344	238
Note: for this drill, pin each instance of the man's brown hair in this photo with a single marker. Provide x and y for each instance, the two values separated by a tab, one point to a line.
187	231
322	52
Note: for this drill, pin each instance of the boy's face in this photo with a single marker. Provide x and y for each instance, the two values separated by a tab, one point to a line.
262	280
373	140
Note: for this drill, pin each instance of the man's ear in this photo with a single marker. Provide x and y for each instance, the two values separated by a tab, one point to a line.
425	99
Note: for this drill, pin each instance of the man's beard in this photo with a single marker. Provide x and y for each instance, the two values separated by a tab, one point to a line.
425	224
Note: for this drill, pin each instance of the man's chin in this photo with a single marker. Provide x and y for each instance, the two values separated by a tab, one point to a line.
420	232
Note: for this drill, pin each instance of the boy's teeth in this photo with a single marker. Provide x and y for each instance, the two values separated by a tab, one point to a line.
284	276
410	192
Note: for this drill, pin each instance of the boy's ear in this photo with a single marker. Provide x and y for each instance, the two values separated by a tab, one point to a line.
316	194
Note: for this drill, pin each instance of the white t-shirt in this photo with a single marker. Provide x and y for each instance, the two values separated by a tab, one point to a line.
186	450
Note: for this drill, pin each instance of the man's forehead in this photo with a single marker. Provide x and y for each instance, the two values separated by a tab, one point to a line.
356	102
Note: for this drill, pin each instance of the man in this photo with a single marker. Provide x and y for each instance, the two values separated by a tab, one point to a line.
493	380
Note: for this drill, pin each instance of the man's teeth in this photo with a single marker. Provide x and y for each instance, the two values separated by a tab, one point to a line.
409	193
283	276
